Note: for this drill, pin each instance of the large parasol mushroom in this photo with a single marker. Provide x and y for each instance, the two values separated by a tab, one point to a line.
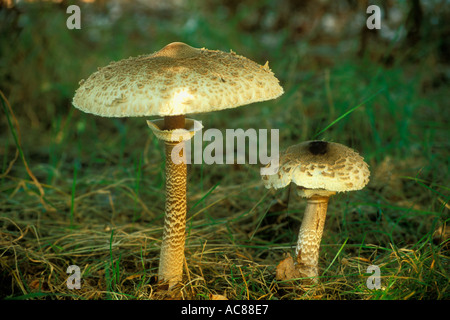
172	82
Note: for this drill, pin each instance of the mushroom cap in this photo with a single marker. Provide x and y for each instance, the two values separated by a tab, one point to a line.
176	80
321	166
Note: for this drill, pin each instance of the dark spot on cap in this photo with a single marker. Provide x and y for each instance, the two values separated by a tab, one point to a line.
318	147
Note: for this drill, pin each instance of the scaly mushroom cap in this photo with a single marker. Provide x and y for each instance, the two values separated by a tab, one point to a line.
321	166
176	80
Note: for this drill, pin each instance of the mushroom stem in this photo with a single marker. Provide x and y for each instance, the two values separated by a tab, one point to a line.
172	247
310	236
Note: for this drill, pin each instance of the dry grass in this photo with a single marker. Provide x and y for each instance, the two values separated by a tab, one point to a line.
230	255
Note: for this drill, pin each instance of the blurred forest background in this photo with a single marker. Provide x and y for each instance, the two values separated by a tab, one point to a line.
84	190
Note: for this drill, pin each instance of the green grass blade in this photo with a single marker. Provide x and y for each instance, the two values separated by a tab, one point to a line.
347	113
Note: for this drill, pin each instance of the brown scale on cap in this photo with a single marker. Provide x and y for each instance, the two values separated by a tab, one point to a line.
318	147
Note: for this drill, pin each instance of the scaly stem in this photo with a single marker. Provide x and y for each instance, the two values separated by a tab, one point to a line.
310	235
172	247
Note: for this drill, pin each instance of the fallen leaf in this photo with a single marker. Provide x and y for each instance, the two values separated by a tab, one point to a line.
286	269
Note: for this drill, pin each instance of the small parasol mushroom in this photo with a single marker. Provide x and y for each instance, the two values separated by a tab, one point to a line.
319	169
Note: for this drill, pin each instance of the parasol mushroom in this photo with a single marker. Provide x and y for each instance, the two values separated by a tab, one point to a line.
319	169
170	83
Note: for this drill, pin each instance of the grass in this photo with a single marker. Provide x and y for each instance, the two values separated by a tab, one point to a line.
76	189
